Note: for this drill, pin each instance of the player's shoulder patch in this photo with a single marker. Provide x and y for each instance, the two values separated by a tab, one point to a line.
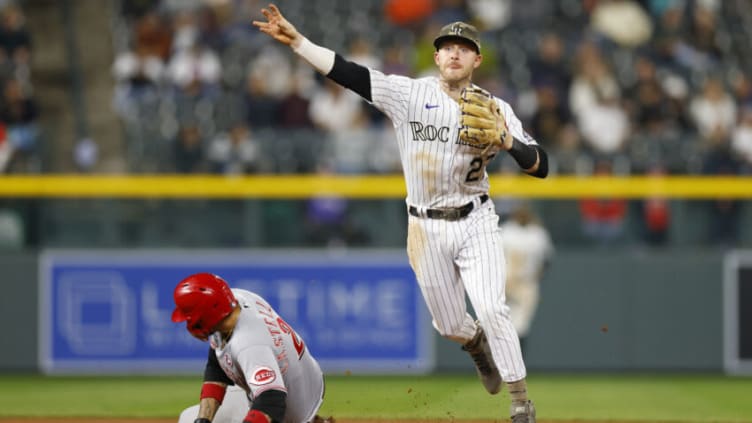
262	375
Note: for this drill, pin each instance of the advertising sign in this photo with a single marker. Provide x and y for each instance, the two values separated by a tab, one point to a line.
109	311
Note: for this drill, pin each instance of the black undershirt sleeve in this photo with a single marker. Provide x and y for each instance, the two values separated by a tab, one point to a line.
542	170
273	403
526	155
213	372
351	75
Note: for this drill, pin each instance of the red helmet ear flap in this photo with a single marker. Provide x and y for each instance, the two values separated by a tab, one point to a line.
202	300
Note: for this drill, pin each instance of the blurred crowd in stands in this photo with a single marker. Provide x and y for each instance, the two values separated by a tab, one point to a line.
19	131
625	87
607	86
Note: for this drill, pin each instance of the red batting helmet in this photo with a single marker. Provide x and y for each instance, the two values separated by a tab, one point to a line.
202	300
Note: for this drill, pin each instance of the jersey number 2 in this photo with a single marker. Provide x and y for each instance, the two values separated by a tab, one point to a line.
296	341
477	166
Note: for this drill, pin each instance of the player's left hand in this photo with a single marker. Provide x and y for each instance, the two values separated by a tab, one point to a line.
278	27
481	121
318	419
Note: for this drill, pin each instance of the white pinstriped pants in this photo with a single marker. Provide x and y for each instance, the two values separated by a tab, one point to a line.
450	258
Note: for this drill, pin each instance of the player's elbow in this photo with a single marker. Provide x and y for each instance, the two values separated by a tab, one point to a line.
272	403
541	168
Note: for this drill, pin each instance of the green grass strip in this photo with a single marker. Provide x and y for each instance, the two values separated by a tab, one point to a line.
599	397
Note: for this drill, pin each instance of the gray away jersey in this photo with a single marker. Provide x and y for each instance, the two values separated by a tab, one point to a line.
265	353
440	171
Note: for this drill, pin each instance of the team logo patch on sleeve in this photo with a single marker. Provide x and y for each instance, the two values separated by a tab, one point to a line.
263	375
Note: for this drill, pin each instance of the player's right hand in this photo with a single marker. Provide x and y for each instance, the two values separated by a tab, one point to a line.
278	27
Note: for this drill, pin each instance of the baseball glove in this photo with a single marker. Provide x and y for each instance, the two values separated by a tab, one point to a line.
482	124
318	419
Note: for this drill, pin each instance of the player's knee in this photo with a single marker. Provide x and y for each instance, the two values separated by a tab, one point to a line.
493	316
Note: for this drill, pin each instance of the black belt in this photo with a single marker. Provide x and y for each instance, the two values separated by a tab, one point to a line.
448	214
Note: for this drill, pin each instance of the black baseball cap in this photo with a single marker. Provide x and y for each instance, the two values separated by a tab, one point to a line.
459	30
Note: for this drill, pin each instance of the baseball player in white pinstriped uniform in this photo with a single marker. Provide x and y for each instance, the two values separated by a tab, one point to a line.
454	243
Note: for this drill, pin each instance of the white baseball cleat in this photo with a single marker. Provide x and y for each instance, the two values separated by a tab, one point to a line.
523	413
480	352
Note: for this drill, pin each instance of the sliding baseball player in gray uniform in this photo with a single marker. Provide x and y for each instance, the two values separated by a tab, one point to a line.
259	370
448	130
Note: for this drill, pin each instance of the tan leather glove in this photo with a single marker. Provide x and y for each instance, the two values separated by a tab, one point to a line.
482	124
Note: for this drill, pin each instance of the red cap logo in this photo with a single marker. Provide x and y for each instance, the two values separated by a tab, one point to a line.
262	376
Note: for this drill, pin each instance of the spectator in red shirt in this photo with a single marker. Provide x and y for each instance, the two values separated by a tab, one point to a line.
603	218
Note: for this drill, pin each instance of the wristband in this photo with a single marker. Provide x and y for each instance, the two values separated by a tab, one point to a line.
202	420
319	57
212	390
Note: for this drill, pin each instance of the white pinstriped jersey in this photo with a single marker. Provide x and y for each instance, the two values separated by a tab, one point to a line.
452	258
440	171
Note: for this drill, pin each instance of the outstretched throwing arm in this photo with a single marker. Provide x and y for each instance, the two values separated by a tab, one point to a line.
348	74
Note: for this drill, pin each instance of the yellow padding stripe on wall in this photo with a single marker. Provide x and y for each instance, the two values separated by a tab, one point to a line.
382	186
